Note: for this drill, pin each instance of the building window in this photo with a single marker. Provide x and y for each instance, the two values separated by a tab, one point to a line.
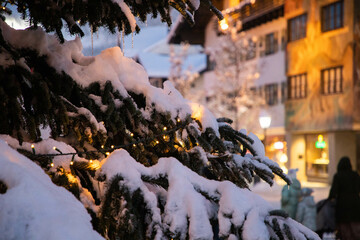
331	80
297	27
297	86
283	92
283	39
332	16
210	63
271	94
251	49
271	43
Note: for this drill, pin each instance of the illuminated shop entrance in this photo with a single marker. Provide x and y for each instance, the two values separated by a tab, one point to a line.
317	156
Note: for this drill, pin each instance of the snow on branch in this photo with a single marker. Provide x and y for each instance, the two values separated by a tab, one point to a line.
191	201
33	207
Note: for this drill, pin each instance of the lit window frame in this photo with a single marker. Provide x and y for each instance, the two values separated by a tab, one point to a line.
331	85
297	86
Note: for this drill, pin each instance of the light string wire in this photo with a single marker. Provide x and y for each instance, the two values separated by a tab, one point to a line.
105	150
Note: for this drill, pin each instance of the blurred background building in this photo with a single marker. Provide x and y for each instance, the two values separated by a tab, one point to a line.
307	58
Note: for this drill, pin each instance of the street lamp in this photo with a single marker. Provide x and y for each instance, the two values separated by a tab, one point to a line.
265	121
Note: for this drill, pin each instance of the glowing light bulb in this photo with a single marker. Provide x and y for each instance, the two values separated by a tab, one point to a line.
178	120
54	148
157	142
52	164
91	160
131	134
134	145
165	128
107	153
112	146
102	146
71	163
224	25
32	146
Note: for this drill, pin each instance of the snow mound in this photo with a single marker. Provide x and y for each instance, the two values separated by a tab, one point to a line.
33	207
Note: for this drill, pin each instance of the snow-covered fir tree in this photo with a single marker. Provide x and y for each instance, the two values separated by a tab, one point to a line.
124	160
235	91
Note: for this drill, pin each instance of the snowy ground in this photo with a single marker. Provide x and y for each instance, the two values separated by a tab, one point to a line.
273	194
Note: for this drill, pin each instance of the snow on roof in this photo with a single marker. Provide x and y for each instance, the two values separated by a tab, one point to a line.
158	66
162	47
151	49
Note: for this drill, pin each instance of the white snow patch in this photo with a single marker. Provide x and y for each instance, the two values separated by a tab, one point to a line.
33	207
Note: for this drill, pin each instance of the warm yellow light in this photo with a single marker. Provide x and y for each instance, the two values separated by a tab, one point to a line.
91	160
112	146
32	146
134	145
107	153
178	120
223	24
252	1
54	148
320	138
197	111
102	146
157	142
71	163
279	145
131	134
71	178
52	164
283	158
95	165
165	128
181	143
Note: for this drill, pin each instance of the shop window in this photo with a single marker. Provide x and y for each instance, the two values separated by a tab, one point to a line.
297	27
332	80
271	43
271	94
332	16
297	86
317	155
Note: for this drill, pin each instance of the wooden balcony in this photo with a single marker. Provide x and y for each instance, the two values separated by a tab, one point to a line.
258	13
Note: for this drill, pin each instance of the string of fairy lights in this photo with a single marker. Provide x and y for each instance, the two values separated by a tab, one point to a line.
106	151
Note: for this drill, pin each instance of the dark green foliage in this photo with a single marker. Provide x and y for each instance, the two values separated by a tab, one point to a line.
97	13
279	212
123	212
3	187
61	179
277	229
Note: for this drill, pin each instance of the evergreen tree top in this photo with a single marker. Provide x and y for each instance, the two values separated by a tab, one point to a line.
111	14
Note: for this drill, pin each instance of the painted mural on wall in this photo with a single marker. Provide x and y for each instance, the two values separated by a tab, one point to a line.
357	63
312	55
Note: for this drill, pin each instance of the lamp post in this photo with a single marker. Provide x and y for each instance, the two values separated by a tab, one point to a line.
265	121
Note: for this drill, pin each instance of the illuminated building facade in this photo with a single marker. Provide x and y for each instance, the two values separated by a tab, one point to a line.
322	113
